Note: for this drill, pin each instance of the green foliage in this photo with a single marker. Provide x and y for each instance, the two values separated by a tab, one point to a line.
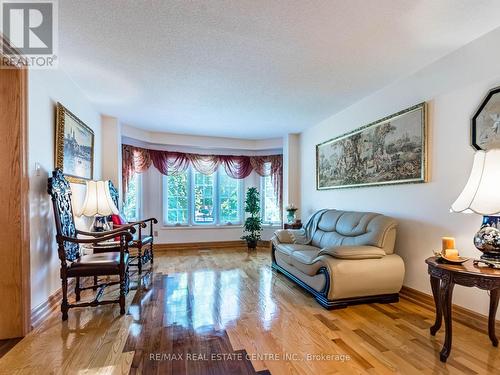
177	198
253	224
204	198
130	205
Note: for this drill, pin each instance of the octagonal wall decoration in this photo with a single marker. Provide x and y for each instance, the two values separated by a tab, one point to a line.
485	124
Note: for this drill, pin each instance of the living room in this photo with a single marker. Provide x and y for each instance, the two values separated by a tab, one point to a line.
238	187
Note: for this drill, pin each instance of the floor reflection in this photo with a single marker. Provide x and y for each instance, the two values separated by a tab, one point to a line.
176	299
206	299
229	310
203	295
266	304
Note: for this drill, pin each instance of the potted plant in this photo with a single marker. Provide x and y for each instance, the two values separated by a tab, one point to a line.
253	226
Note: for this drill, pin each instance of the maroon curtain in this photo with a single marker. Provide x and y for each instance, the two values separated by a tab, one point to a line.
138	160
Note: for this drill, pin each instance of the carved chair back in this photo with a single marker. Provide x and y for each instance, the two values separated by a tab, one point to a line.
114	194
60	192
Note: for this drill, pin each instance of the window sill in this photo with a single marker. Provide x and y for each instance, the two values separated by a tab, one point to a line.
191	227
196	227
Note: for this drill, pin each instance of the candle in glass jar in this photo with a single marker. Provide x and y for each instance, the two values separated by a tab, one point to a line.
448	243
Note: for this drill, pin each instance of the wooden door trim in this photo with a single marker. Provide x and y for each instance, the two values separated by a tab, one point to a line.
25	204
21	162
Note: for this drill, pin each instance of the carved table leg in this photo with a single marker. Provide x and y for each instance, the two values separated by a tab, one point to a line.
435	282
494	296
445	296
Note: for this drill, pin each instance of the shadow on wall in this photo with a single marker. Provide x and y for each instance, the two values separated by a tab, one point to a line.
41	229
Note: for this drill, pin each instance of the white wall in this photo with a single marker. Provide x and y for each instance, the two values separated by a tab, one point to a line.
453	86
291	172
111	150
207	143
46	88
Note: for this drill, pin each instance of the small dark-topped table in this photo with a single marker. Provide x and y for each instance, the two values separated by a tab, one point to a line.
444	277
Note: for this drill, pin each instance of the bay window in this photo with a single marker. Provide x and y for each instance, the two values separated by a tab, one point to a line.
193	198
177	197
132	202
269	202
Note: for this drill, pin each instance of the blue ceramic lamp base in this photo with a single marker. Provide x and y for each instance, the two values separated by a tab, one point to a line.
487	240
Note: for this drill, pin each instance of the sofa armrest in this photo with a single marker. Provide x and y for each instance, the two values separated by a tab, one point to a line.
283	236
354	252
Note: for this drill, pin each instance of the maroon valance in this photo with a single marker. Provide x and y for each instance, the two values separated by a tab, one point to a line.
138	160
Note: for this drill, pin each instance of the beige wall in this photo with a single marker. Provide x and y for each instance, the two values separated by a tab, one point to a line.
46	88
453	86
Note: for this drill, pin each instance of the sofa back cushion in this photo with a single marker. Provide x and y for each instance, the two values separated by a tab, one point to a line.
349	228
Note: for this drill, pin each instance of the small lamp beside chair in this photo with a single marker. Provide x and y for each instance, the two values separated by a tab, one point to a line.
98	204
481	195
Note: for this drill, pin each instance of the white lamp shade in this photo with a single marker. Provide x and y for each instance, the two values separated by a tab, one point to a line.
481	194
98	200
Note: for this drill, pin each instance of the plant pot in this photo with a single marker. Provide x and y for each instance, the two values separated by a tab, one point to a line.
252	245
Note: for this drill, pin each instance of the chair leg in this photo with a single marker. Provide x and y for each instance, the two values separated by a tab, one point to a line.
152	254
123	289
139	259
64	304
77	289
95	283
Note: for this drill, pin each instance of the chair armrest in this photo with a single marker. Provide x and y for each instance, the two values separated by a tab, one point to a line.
101	234
123	233
144	222
353	252
283	236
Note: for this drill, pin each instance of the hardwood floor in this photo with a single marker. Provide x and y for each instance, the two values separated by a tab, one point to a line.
226	312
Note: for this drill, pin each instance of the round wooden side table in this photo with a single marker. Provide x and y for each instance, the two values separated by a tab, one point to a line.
444	276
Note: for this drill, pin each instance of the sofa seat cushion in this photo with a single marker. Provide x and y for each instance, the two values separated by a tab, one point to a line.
354	252
288	249
306	261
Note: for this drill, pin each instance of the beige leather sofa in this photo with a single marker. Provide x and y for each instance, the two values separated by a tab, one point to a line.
342	258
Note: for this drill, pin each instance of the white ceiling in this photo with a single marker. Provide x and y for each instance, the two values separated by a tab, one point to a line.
253	69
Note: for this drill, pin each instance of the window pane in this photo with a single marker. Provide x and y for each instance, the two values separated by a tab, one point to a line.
229	198
131	203
203	198
176	199
270	204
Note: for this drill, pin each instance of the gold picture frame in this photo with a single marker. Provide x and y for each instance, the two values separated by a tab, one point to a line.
357	159
74	146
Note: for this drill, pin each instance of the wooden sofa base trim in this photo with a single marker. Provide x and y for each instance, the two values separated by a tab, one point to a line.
213	245
322	299
460	314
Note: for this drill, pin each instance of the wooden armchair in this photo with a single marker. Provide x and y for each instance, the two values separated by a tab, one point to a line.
73	263
142	243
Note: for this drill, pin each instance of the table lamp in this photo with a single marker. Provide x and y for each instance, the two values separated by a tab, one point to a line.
481	195
98	203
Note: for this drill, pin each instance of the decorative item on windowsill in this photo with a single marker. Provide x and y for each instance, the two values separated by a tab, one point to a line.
290	213
253	225
99	205
481	195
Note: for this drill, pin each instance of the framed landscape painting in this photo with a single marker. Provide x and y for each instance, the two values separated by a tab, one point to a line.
74	152
392	150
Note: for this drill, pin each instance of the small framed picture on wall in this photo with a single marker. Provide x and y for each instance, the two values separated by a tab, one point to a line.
74	146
